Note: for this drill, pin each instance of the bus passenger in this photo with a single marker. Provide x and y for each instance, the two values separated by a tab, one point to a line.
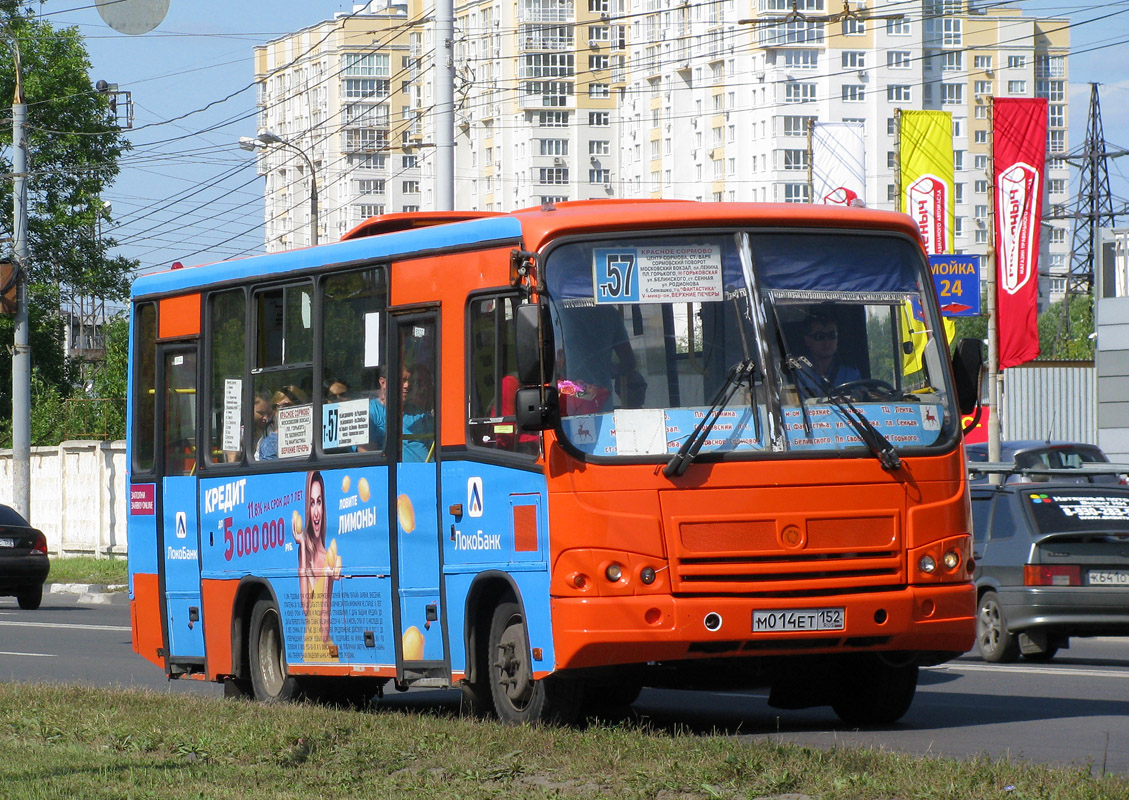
599	356
418	393
336	391
266	439
821	348
318	568
377	415
286	396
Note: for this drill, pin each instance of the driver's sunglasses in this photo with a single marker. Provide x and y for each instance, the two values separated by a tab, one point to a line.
822	336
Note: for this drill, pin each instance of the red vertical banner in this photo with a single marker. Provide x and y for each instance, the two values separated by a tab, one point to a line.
1019	144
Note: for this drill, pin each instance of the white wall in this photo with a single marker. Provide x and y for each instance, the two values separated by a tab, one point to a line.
78	496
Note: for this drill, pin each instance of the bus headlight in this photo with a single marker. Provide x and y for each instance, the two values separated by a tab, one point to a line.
614	572
927	564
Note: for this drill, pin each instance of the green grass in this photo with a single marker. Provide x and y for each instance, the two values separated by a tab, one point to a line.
68	742
82	569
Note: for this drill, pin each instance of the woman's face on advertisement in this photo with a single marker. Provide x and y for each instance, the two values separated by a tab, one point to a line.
317	508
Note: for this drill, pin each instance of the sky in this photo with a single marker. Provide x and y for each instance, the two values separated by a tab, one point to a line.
188	193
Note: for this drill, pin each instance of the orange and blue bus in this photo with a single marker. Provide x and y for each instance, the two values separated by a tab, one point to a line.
554	456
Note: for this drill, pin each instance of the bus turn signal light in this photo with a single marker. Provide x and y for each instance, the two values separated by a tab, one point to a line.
1047	575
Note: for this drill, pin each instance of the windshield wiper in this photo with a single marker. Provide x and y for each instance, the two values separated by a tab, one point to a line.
689	450
878	444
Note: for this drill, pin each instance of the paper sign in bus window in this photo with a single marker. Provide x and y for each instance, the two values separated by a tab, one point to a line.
295	431
658	274
232	408
345	424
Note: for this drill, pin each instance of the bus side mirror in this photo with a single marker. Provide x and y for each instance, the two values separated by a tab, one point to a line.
534	331
968	361
536	408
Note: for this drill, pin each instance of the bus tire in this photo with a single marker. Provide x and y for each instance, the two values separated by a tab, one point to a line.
518	699
270	681
873	691
995	642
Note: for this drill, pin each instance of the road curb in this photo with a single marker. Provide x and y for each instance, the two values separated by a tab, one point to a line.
91	593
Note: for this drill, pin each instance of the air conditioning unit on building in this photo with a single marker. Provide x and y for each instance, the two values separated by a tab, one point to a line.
558	161
594	44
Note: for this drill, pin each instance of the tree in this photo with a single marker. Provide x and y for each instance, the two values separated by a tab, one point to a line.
1073	342
73	151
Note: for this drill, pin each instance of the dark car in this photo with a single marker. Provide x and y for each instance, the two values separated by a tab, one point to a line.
1052	562
23	559
1034	456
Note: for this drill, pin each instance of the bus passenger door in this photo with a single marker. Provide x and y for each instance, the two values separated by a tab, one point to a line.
413	395
179	533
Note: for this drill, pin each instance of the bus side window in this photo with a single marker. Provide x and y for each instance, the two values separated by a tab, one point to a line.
283	372
353	358
226	340
145	387
492	421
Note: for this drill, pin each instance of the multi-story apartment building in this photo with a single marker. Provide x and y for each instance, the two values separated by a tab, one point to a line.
578	99
341	93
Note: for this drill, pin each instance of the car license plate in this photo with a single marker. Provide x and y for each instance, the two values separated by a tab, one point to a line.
6	542
799	619
1109	577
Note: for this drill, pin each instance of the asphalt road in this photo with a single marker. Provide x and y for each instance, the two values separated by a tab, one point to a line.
1074	710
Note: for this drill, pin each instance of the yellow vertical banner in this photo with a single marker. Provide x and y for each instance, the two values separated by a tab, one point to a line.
925	148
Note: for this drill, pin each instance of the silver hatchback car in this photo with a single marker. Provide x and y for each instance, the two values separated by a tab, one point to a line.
1052	562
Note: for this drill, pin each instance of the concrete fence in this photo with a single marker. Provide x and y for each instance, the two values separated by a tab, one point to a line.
78	496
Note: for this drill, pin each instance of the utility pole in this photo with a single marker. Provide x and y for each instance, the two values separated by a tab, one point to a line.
21	351
444	105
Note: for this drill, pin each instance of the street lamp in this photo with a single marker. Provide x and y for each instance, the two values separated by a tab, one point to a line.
265	139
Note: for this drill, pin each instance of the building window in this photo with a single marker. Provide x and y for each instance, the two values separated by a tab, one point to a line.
1017	87
958	160
1050	67
553	147
854	27
898	93
982	62
981	160
370	186
891	193
1056	116
795	193
365	88
853	93
1056	141
1058	235
599	119
1056	185
897	27
980	137
597	62
952	94
365	210
599	176
797	126
797	92
891	159
952	32
552	119
980	112
898	59
980	212
952	62
1016	62
854	59
550	175
1054	91
981	187
410	187
410	162
599	91
794	159
982	88
981	236
365	65
599	147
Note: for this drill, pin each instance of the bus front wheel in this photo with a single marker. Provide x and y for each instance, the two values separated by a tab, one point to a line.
269	679
874	691
518	699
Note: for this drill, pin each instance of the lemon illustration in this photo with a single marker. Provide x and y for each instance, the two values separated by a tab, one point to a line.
296	523
362	490
406	513
345	485
331	558
413	644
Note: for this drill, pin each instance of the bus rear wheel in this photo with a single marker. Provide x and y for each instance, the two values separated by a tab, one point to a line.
873	691
270	681
518	699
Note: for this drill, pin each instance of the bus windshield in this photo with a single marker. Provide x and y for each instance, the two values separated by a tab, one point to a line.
796	339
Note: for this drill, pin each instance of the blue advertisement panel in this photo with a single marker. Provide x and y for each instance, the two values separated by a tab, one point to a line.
503	526
957	279
321	538
417	538
635	432
181	554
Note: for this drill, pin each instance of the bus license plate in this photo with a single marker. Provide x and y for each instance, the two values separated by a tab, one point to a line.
1109	577
799	619
5	542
